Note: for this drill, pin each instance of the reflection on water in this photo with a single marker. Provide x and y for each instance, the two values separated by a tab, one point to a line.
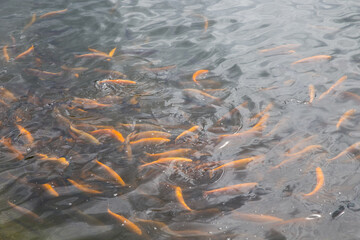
179	120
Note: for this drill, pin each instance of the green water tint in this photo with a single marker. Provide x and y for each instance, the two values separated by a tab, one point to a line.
253	100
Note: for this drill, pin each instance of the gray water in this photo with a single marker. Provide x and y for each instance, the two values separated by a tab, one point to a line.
250	49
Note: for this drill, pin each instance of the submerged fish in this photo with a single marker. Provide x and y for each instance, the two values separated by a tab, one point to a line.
126	223
320	180
52	13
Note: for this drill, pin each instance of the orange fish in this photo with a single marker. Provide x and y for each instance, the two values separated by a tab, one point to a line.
150	134
83	188
260	218
117	81
181	152
27	52
197	73
52	13
266	109
112	173
349	149
159	69
282	47
180	198
186	133
111	53
149	141
238	163
61	160
93	55
24	211
307	149
311	93
345	116
47	187
231	113
139	126
6	55
126	223
43	74
7	143
111	132
201	95
313	58
319	182
206	21
352	95
85	136
33	19
26	133
166	160
74	70
9	96
233	189
338	82
88	103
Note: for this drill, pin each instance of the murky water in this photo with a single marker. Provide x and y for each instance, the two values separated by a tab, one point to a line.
266	135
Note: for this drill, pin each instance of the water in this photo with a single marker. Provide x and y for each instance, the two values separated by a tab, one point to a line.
249	49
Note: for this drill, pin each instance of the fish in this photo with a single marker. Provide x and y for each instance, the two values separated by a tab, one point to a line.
126	223
88	103
305	150
112	173
197	73
159	68
259	218
186	133
7	143
74	70
311	93
200	95
281	47
313	58
93	55
9	96
349	149
231	113
255	130
150	134
111	53
233	189
43	74
266	109
320	180
166	160
111	132
33	19
352	95
48	188
27	52
5	52
238	163
128	149
149	141
181	152
84	188
25	211
85	136
53	13
26	133
180	198
206	21
139	126
338	82
61	160
345	116
117	81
